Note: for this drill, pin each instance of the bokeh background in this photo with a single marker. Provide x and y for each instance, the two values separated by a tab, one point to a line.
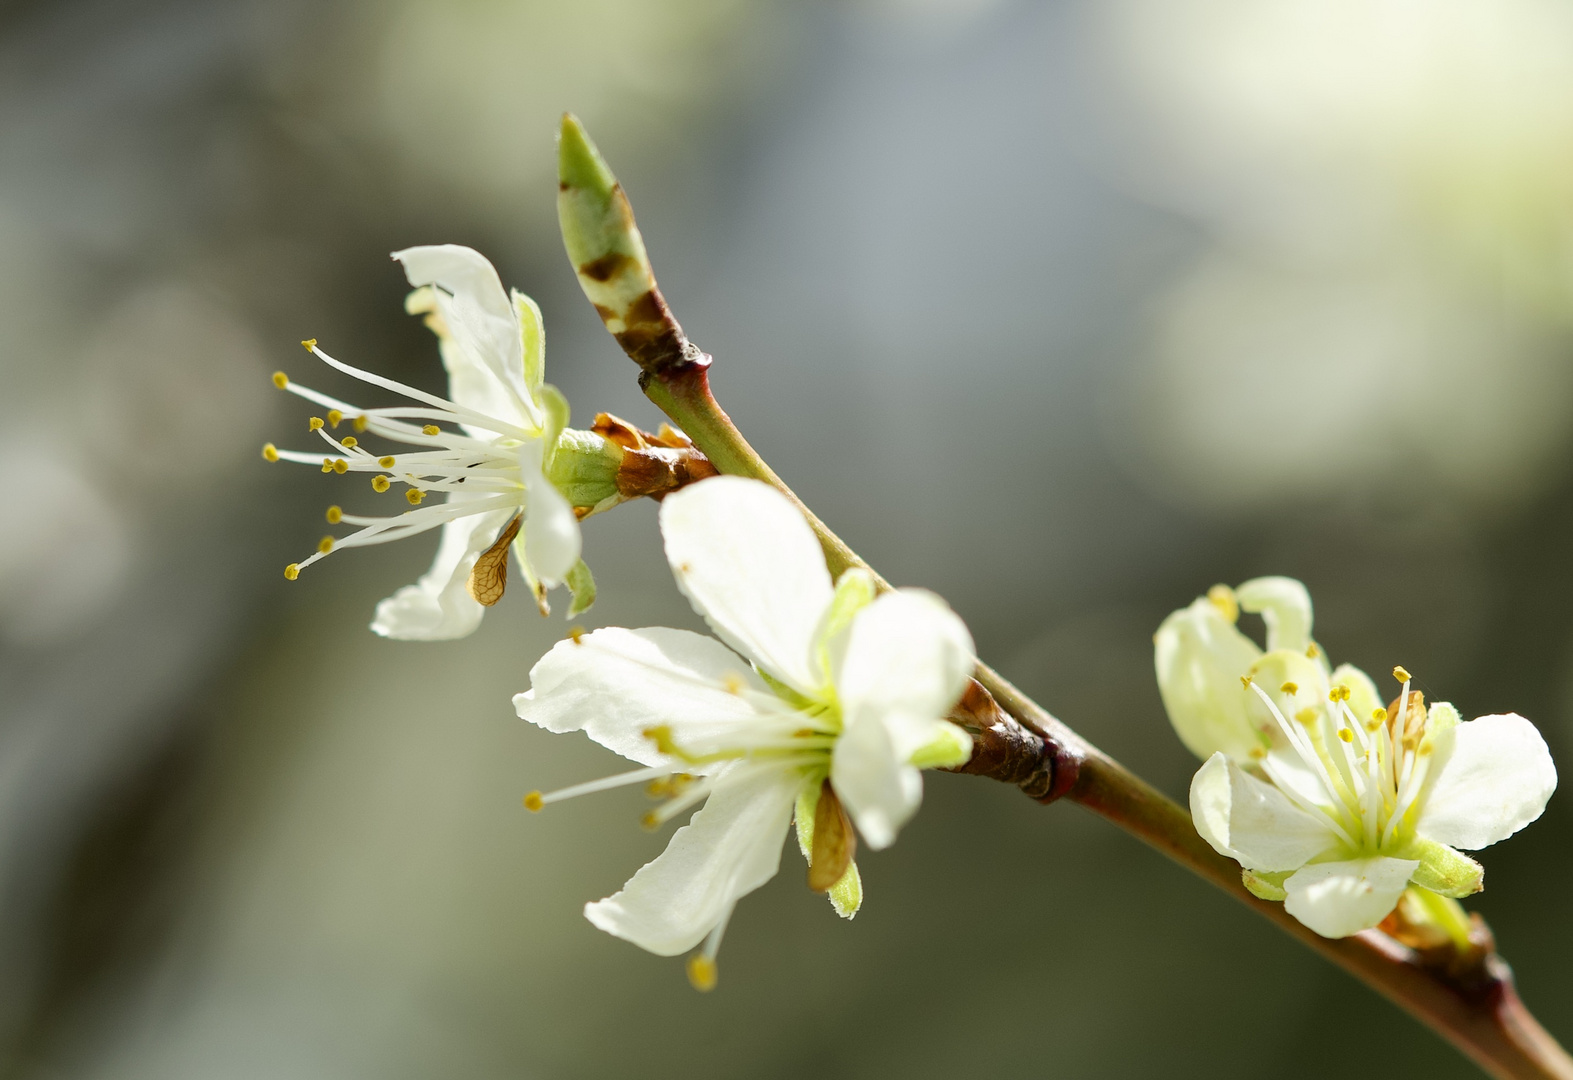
1067	310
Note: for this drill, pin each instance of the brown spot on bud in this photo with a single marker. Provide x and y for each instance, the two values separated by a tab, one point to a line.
607	266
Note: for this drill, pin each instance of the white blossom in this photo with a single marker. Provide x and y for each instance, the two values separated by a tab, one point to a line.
485	448
1330	801
832	698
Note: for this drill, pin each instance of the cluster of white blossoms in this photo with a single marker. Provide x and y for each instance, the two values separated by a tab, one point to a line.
1332	802
486	448
827	698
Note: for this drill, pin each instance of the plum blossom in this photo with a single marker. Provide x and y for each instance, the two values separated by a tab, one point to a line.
486	448
1331	802
823	702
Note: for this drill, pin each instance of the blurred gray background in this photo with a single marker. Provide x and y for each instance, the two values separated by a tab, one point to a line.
1066	310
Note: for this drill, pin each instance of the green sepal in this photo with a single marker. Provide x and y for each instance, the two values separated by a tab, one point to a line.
1266	884
556	406
949	747
581	584
1441	717
1443	870
854	591
846	895
532	334
584	468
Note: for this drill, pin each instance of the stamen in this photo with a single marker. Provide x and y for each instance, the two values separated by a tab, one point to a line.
1346	735
702	973
270	452
576	634
349	442
327	464
310	344
292	571
334	417
1312	652
1400	674
360	422
431	429
280	379
414	495
1339	692
341	466
1289	688
606	783
1245	681
314	424
335	515
379	484
325	545
386	462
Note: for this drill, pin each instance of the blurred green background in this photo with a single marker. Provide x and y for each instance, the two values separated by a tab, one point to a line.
1066	310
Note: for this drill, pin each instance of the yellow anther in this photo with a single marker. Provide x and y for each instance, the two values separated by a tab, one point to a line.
415	495
325	545
280	379
327	464
1307	716
314	424
1379	715
650	820
1401	674
576	634
386	463
661	735
1312	652
1289	688
379	483
335	515
1245	681
533	802
360	422
1222	598
341	466
309	344
270	452
349	442
733	682
335	417
1258	753
658	789
1346	735
431	429
701	973
1340	692
292	571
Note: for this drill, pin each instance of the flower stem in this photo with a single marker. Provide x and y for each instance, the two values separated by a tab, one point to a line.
1476	1008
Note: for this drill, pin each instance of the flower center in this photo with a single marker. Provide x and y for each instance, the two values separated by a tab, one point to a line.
1363	775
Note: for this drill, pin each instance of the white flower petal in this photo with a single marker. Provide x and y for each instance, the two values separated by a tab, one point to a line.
874	782
1200	656
1494	776
437	607
749	563
907	660
615	684
1284	605
552	540
485	353
1253	822
730	848
1337	899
